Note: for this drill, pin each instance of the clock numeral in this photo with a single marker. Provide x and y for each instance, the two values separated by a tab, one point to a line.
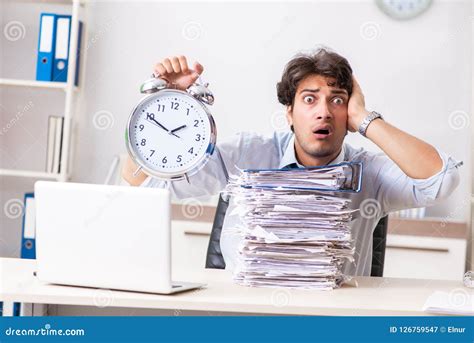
179	158
161	108
174	105
152	152
190	150
143	142
187	111
198	137
141	127
150	116
164	160
196	123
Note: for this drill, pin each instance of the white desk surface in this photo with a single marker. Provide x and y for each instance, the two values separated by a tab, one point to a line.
372	296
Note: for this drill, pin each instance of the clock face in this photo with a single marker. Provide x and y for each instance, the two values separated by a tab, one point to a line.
403	9
170	133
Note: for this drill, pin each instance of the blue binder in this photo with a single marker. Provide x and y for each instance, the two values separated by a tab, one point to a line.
28	236
61	54
16	309
28	239
61	50
46	44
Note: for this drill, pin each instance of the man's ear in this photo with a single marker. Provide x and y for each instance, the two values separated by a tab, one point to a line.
289	115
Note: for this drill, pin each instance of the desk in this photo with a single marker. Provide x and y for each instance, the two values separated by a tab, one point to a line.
372	296
440	247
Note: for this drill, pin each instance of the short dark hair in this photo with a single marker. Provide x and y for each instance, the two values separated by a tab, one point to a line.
320	62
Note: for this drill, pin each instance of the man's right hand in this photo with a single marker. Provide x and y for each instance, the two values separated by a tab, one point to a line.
175	70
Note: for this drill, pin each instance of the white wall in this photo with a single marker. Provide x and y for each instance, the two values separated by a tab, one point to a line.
415	72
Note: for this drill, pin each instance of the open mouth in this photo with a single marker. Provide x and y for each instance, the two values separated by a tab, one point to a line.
322	132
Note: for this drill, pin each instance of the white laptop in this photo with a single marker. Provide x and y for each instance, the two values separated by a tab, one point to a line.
105	236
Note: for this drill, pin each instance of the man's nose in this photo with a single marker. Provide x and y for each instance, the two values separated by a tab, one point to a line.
323	112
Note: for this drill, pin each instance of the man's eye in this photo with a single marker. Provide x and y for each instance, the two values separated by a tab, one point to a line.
308	99
338	101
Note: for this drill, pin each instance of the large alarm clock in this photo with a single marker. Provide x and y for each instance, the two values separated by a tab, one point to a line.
171	133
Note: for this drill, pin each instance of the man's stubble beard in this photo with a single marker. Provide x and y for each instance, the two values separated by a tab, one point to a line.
320	151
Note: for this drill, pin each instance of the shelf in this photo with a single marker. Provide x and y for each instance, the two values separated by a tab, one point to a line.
34	84
53	2
69	90
29	174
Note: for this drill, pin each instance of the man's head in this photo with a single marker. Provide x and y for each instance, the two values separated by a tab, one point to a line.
316	89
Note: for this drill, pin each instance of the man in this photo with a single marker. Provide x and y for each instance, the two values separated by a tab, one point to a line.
323	102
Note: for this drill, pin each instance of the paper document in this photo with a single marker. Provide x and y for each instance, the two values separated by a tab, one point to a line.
459	301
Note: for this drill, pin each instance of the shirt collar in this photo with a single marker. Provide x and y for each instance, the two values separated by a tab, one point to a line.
289	157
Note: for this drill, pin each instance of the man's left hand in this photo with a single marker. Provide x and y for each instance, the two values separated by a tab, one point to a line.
356	111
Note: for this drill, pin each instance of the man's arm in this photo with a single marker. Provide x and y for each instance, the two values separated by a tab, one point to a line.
416	158
413	173
394	190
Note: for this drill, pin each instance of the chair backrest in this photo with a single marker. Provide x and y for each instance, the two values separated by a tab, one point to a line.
379	243
215	260
214	257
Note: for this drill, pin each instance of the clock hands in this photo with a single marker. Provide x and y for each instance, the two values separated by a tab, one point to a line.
178	128
154	121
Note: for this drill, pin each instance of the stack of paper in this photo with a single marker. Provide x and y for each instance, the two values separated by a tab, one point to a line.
459	301
291	234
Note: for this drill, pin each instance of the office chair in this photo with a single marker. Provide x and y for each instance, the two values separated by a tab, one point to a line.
215	260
